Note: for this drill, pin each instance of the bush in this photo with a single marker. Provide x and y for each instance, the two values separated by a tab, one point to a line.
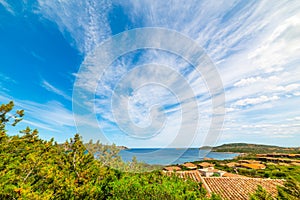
32	168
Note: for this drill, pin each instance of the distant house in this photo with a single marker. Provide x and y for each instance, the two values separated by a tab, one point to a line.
206	158
172	168
294	155
207	172
277	160
295	163
205	165
279	155
249	161
190	165
210	171
253	166
232	164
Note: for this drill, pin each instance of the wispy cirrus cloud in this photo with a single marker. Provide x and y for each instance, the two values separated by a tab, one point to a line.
5	81
45	84
255	48
52	119
87	30
7	6
257	100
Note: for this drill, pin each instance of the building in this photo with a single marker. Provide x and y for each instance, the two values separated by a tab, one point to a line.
239	188
279	155
249	161
232	164
206	158
253	166
210	171
231	175
190	165
230	186
205	165
172	168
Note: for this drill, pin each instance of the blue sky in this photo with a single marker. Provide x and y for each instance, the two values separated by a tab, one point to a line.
253	44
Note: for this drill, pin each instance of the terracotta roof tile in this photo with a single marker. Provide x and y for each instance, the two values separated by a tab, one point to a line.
231	188
172	168
240	188
189	165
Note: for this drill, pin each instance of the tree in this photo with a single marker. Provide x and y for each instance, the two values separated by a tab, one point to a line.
14	119
290	190
33	168
260	194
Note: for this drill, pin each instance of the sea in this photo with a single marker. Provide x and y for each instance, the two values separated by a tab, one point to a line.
168	156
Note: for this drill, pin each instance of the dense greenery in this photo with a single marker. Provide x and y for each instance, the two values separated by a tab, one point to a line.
260	194
32	168
290	191
252	148
271	171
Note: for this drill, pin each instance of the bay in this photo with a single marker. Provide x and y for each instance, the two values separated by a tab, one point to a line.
169	156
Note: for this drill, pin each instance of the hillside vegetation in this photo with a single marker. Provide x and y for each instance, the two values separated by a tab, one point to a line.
32	168
252	148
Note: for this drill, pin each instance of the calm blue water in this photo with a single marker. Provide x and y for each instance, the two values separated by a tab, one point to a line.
172	156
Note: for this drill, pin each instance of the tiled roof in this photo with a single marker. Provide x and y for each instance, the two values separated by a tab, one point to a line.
206	164
231	188
191	174
189	165
232	175
249	161
253	166
236	188
232	164
172	168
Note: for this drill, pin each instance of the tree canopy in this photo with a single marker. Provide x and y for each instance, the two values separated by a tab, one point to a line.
33	168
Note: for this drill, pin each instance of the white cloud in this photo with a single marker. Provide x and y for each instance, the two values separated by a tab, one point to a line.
247	81
52	119
7	79
7	7
85	21
287	88
256	100
52	113
281	47
55	90
38	125
255	47
296	93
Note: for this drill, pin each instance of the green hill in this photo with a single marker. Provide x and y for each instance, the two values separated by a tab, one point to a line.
252	148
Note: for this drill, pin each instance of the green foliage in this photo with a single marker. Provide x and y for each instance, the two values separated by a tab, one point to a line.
260	194
32	168
155	186
108	156
290	190
215	197
12	119
279	172
252	148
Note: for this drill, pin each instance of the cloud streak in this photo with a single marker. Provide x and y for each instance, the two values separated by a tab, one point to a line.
254	46
7	7
55	90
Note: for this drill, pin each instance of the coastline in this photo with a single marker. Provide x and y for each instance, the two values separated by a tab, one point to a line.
173	155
